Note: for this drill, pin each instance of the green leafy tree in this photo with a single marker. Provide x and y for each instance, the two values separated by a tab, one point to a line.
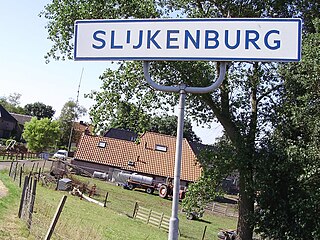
244	103
167	124
126	116
217	162
11	103
41	134
130	117
69	113
288	196
39	110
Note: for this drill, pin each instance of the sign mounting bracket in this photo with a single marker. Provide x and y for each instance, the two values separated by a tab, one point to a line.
182	89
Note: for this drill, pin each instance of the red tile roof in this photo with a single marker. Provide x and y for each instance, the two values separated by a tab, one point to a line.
144	155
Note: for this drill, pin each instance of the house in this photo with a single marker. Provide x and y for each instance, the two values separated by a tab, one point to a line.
121	134
78	129
152	154
21	120
8	124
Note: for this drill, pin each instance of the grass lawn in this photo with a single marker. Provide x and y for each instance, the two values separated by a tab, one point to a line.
10	225
84	220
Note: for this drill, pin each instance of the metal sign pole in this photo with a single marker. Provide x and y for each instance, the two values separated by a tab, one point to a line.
174	221
182	89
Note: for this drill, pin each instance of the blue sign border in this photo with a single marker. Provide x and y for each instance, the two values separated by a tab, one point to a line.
298	20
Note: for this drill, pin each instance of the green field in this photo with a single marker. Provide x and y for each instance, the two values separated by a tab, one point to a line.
83	220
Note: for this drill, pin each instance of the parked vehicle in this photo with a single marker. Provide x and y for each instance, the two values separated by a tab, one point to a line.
166	190
61	154
140	181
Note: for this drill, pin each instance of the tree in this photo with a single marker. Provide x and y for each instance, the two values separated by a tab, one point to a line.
69	113
132	118
217	161
167	124
126	116
39	110
41	134
11	103
244	103
289	197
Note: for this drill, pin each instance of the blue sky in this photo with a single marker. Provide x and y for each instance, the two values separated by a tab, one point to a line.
23	44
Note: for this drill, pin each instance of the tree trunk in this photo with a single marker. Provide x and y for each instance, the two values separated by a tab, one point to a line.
246	205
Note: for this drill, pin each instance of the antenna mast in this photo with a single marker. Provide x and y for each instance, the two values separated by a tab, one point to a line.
77	101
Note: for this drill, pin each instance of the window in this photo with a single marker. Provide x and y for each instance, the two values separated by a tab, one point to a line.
161	148
131	163
102	144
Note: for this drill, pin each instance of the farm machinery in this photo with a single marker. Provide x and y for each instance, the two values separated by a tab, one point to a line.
166	190
140	181
143	182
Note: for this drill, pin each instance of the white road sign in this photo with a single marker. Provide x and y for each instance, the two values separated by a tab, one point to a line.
220	39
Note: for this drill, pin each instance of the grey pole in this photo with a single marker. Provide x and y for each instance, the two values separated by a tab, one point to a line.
182	89
174	221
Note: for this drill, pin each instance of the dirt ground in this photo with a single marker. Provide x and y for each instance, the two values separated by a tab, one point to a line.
3	190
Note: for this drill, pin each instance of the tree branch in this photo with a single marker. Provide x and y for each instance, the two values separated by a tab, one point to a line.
268	92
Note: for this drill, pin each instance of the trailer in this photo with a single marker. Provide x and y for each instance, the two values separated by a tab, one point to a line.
140	181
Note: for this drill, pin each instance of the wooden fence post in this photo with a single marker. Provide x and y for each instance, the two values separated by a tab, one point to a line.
36	167
135	210
20	176
57	183
105	200
149	215
44	164
33	197
160	220
10	168
39	173
55	218
15	172
25	186
204	233
31	170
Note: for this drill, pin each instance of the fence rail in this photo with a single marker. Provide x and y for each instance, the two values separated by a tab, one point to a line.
37	214
151	217
16	156
222	209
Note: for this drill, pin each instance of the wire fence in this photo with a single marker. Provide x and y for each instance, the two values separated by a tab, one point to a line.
39	215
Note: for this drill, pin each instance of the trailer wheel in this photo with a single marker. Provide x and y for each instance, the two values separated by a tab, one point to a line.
163	191
130	186
149	190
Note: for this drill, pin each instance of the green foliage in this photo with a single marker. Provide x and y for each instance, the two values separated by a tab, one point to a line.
127	116
70	112
11	103
168	125
41	134
39	110
199	194
288	196
62	15
217	162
